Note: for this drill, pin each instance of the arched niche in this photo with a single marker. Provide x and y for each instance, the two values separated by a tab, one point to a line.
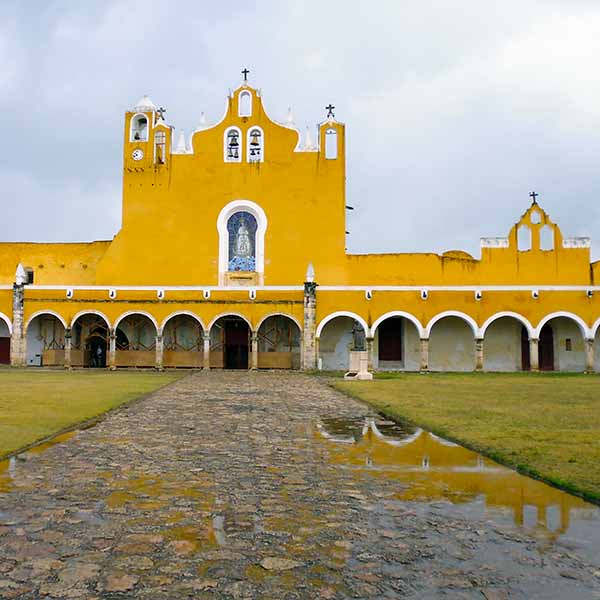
396	343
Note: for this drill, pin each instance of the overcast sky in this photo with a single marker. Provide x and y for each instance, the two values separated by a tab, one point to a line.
454	110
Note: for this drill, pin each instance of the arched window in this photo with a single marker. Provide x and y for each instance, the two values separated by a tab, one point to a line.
139	128
245	104
546	238
160	147
241	229
233	145
523	238
331	144
254	145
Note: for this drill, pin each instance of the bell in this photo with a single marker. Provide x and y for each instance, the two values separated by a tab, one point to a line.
229	152
252	152
235	153
254	141
233	142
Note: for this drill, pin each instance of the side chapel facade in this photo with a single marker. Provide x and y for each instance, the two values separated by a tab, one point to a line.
246	267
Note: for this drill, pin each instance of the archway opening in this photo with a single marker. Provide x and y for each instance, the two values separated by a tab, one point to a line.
4	343
135	342
45	342
503	345
396	345
183	342
339	337
451	345
278	343
561	346
230	343
90	342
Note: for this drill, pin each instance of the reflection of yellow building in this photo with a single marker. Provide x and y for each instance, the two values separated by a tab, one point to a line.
430	468
225	236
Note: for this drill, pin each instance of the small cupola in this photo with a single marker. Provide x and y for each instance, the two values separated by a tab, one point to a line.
145	105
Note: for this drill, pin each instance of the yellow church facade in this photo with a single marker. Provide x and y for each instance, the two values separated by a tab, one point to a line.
232	254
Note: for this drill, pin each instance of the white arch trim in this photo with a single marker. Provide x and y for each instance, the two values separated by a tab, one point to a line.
229	314
523	320
398	313
279	314
136	312
595	327
179	313
342	313
453	313
45	312
261	220
82	313
8	322
586	331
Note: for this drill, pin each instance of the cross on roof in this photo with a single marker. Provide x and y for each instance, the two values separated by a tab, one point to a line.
161	112
245	74
534	196
329	110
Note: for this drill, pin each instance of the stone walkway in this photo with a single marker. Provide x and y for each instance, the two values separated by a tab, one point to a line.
218	487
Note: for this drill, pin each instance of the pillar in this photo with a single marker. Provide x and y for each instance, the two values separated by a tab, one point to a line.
206	349
310	352
479	354
112	350
369	342
68	348
589	356
18	341
159	352
254	351
534	355
424	354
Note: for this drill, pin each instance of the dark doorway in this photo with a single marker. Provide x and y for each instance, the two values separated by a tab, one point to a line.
390	339
4	351
546	348
236	343
95	352
525	356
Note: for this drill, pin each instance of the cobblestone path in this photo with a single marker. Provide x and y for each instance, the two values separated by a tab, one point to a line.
217	487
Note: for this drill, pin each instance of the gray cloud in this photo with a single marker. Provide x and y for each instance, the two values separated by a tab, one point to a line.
454	111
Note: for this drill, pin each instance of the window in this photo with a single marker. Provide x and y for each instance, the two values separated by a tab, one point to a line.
139	129
568	344
523	238
241	228
546	238
245	104
255	145
233	145
29	272
160	147
331	144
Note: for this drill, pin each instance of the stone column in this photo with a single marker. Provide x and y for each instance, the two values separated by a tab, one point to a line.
369	342
479	354
424	355
159	352
534	355
67	364
310	351
206	348
18	341
112	350
589	356
254	351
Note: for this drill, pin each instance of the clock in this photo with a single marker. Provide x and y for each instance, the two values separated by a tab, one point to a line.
137	154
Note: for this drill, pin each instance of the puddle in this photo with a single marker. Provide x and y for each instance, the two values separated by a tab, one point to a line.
432	470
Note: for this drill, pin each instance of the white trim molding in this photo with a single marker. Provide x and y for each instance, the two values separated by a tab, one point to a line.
342	313
229	314
187	313
494	242
8	322
39	313
577	242
586	331
452	313
279	314
82	313
143	313
261	220
513	315
398	313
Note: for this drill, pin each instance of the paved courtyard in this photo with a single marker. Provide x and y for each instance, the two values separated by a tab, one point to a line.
218	487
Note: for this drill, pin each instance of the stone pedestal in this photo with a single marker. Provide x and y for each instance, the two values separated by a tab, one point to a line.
534	355
309	346
159	352
254	351
479	354
68	348
206	349
112	350
370	350
590	356
424	355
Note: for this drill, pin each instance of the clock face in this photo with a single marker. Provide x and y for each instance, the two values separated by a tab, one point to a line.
137	154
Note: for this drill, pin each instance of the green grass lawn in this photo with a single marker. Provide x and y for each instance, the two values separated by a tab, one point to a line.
37	403
545	425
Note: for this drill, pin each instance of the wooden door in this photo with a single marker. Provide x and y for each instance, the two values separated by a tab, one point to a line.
236	345
525	356
390	339
546	348
5	351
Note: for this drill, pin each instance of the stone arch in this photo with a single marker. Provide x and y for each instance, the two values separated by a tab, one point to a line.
98	313
279	342
143	313
230	314
562	336
45	339
505	347
396	341
452	313
178	313
135	339
183	340
90	339
338	334
230	341
452	342
8	322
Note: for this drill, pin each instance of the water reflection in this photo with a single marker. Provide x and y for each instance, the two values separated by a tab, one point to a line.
429	468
